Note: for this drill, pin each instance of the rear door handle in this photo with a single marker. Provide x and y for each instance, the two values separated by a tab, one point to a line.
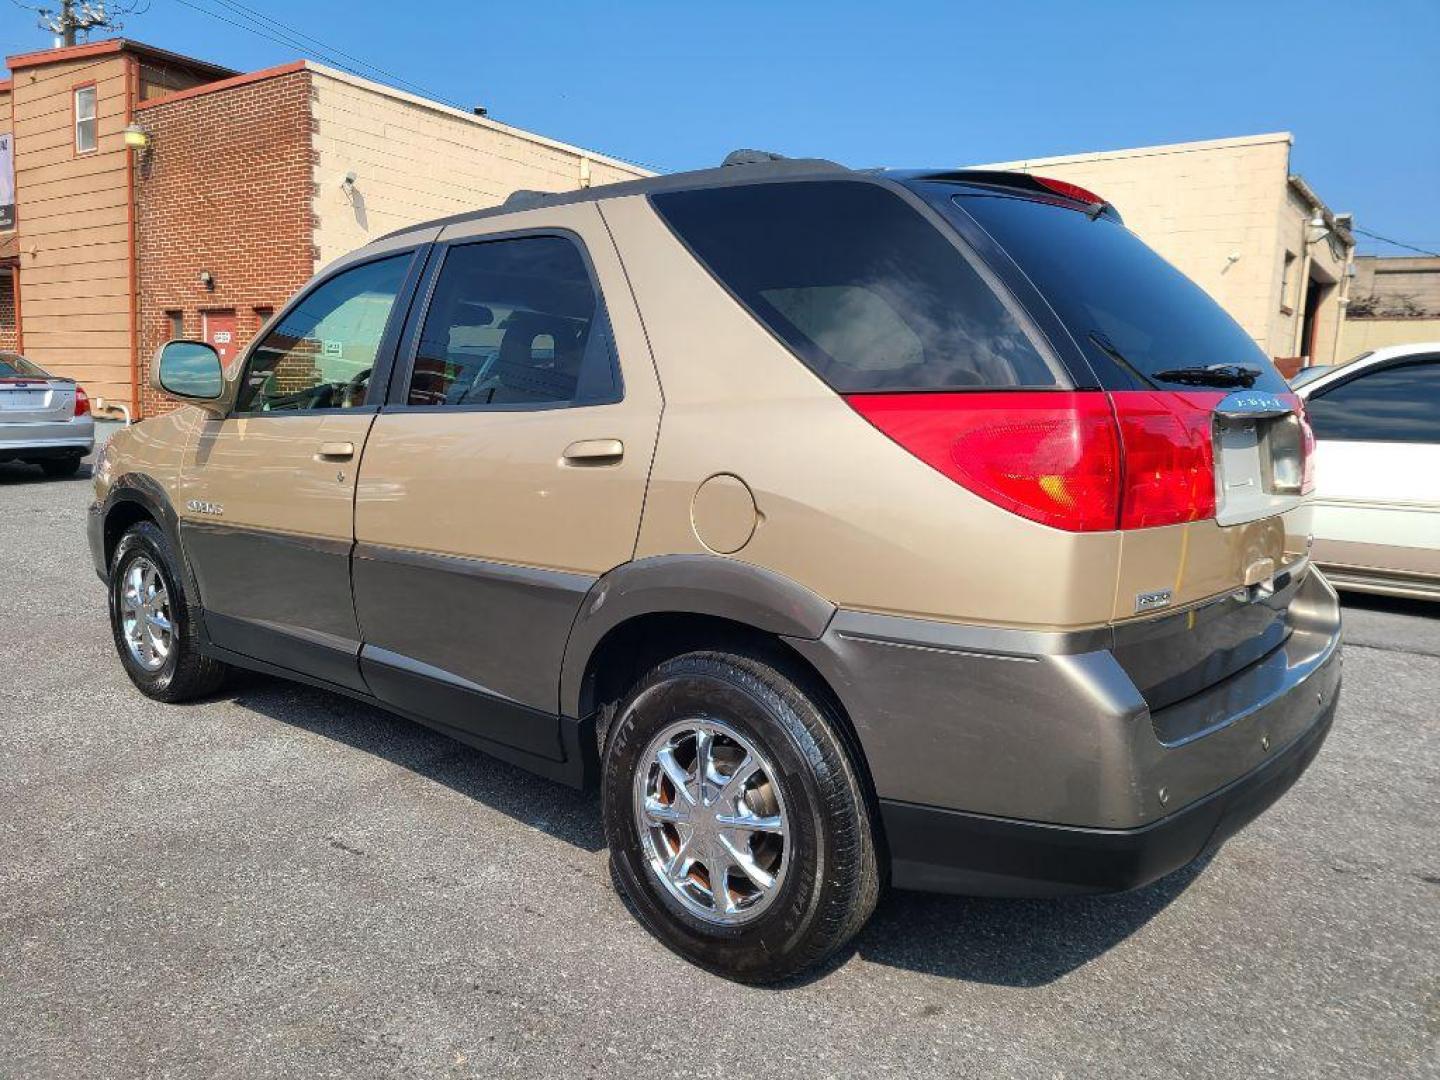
335	451
594	452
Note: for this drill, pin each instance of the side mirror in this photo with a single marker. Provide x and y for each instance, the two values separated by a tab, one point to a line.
189	371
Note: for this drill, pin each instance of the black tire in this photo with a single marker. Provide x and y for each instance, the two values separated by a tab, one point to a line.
186	673
58	467
832	881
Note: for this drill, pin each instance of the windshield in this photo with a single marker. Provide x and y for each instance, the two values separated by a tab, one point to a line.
1125	305
14	365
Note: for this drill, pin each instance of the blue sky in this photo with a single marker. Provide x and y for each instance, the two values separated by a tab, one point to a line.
677	85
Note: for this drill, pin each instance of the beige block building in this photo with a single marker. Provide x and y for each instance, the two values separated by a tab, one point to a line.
414	159
1231	215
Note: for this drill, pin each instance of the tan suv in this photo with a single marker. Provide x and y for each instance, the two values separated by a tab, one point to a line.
845	527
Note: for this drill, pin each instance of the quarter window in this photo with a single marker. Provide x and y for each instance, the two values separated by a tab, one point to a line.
321	353
862	288
514	323
86	133
1394	404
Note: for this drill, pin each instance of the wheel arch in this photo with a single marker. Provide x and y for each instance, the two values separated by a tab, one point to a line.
136	497
650	610
672	587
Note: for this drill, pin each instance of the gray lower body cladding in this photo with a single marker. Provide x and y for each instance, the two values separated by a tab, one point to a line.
1023	734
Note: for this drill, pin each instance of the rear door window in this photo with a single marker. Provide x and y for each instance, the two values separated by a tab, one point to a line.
1394	404
514	323
1131	312
859	285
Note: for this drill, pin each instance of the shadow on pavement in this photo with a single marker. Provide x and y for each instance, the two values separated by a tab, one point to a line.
566	814
17	473
1390	605
1017	943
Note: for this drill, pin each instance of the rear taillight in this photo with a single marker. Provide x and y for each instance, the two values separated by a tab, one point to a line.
1080	461
1169	456
82	401
1307	442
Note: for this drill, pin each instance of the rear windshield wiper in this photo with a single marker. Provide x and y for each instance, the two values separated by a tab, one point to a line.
1221	375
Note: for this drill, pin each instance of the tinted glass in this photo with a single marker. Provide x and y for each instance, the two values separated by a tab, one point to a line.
860	286
1104	282
513	322
320	354
1395	404
13	365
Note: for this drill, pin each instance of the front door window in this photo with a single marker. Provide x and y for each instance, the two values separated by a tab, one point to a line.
320	354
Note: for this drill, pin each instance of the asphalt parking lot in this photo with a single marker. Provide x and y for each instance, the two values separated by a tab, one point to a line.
282	883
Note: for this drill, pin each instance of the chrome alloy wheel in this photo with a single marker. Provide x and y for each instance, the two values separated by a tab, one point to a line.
145	615
712	821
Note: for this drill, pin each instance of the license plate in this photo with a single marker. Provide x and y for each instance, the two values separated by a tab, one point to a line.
23	399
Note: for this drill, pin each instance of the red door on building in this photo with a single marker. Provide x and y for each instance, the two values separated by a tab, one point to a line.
219	330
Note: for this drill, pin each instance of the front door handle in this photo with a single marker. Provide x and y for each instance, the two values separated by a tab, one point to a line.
336	451
594	452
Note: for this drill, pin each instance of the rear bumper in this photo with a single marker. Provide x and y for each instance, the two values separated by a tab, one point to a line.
1015	762
949	851
47	440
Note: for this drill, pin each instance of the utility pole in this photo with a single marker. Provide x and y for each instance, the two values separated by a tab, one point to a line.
72	20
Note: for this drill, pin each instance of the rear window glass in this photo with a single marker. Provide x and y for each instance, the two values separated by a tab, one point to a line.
860	286
13	365
1105	283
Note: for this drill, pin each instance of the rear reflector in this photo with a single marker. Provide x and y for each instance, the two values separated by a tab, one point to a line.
1079	461
82	401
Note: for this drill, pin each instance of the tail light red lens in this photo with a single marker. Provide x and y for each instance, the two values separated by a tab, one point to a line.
82	401
1169	455
1079	461
1049	456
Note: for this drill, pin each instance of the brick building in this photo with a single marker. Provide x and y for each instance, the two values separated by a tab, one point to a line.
1231	215
225	194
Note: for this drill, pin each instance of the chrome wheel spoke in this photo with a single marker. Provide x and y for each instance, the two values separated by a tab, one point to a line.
675	772
754	823
661	812
742	859
681	862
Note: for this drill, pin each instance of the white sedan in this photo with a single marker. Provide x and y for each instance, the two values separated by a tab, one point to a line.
1377	471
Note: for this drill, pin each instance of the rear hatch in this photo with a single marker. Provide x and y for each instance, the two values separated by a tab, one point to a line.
29	395
1214	448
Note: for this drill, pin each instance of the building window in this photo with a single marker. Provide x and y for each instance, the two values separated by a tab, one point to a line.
1287	284
86	134
175	325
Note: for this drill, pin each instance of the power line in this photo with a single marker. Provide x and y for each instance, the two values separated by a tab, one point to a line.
282	34
252	13
1394	243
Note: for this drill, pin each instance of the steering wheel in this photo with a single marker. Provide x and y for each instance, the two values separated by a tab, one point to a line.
354	393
